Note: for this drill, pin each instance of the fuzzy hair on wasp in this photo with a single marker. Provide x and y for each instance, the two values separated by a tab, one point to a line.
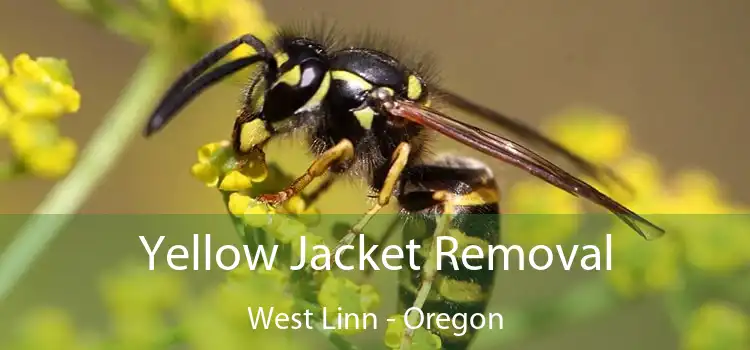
368	114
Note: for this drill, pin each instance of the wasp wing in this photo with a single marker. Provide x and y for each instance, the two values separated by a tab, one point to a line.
529	134
511	152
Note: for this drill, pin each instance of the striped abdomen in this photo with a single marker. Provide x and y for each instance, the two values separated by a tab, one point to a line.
465	188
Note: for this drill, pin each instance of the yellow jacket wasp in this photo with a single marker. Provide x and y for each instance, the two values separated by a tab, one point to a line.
367	114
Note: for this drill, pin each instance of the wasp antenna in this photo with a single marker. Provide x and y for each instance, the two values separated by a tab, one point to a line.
186	87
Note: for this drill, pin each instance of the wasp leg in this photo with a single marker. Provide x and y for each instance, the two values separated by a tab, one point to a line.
341	152
429	268
319	191
456	198
398	163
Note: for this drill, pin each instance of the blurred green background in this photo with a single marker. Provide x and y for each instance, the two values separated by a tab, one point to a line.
676	71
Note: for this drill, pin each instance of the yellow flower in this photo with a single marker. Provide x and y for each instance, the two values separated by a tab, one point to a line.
54	161
235	181
538	213
340	295
640	267
597	136
41	148
41	88
49	329
4	69
238	203
219	319
311	241
199	10
718	326
244	17
6	115
714	243
133	289
206	173
642	172
207	152
422	339
216	160
287	229
695	192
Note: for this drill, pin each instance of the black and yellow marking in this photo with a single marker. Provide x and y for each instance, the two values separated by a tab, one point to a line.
461	202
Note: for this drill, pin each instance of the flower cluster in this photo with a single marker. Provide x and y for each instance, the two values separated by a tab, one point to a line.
422	339
155	310
706	241
37	92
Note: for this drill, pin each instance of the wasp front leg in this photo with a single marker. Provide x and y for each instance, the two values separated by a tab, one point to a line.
341	152
398	163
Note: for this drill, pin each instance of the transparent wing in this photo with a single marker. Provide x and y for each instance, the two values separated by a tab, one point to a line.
513	153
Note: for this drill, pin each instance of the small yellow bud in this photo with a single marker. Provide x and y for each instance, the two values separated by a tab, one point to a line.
257	215
26	135
207	151
235	181
52	162
238	203
287	229
40	99
422	339
206	173
342	293
295	205
578	129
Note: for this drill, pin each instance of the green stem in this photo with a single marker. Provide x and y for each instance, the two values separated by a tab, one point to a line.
99	157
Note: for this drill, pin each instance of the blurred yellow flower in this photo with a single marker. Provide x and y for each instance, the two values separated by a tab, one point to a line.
4	69
37	92
133	289
6	115
199	10
53	161
38	144
640	267
597	136
342	296
49	329
287	229
311	241
206	173
537	213
714	242
717	326
219	320
41	88
422	339
242	17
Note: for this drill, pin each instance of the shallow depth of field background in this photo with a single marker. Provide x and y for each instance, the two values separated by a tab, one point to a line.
676	70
